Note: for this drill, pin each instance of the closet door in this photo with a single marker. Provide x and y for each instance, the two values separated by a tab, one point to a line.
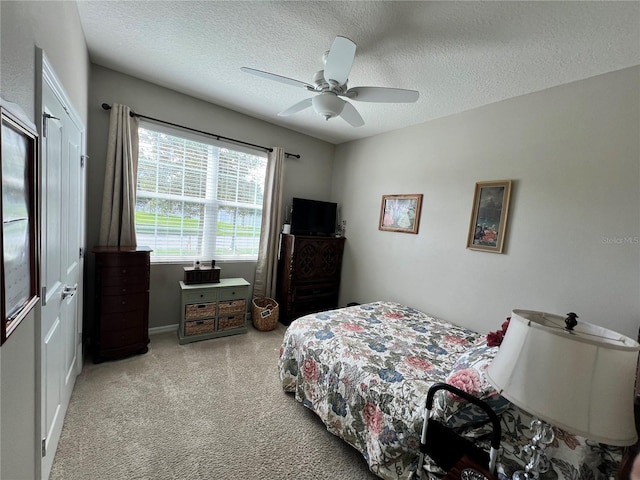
62	238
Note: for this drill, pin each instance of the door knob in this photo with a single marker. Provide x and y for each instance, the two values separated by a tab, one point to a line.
68	291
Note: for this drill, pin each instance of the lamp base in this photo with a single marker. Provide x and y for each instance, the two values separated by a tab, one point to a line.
538	462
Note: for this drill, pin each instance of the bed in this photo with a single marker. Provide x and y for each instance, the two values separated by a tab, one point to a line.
365	371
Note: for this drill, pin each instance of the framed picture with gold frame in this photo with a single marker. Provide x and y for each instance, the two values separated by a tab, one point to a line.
489	216
400	213
18	273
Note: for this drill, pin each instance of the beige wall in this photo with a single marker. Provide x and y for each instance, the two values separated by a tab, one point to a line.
54	27
573	241
309	176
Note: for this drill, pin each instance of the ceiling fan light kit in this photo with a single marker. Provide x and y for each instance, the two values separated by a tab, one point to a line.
328	105
331	84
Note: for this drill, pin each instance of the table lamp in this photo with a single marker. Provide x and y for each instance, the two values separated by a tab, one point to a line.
577	376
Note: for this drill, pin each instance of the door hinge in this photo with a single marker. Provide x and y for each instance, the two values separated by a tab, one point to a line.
45	117
44	447
83	159
81	252
43	295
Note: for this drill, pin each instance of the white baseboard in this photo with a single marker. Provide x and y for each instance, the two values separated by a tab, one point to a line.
163	329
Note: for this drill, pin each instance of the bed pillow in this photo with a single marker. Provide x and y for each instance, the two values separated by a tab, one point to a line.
468	374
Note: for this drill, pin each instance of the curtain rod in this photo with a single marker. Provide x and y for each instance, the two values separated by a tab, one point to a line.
106	106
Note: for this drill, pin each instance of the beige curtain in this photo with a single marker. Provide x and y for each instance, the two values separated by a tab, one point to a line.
117	222
266	269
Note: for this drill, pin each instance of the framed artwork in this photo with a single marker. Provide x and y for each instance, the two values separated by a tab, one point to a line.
18	273
400	213
489	216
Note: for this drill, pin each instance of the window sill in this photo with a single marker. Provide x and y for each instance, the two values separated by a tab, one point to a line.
190	264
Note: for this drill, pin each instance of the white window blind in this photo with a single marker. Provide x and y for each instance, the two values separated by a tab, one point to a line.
197	198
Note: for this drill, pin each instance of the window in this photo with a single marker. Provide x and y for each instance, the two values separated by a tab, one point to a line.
196	198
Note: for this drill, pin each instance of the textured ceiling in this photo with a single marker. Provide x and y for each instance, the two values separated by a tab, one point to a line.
458	55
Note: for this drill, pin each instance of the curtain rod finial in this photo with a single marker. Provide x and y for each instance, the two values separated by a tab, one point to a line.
106	106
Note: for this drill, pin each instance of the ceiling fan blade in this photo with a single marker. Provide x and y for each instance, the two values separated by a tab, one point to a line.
382	95
339	60
306	103
278	78
351	115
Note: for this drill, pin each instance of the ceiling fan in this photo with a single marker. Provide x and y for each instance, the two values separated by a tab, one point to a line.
331	85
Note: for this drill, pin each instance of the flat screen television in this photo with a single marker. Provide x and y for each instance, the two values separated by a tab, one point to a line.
313	217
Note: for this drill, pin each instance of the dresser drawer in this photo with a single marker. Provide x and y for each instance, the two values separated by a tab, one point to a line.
124	275
124	289
231	293
123	259
200	296
124	303
314	291
114	322
122	338
298	309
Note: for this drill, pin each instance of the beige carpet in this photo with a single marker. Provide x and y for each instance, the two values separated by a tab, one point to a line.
207	410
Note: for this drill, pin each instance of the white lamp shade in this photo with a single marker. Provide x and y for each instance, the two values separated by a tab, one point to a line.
581	381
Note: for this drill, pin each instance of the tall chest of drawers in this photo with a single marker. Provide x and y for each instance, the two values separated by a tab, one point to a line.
309	273
121	321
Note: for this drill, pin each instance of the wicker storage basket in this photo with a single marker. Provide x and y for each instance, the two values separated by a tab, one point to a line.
265	312
228	307
199	326
200	310
228	323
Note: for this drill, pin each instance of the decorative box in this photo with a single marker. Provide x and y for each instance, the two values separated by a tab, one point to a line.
201	275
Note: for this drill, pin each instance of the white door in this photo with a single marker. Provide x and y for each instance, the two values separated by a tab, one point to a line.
62	237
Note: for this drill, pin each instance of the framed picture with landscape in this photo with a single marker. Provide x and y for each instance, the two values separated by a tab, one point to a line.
400	213
489	216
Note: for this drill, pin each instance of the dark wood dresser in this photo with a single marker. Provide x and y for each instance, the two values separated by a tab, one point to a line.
308	275
121	320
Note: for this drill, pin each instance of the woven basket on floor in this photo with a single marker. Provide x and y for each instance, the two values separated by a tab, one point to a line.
264	313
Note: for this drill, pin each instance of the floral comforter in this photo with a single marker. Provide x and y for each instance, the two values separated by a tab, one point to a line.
365	371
